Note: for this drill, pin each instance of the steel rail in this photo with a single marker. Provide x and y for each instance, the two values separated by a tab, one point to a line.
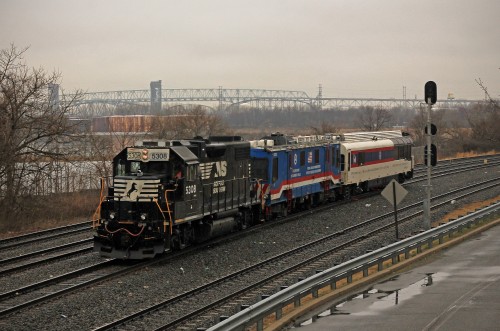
32	238
255	313
148	263
450	172
456	163
48	231
70	288
49	259
44	251
272	260
308	262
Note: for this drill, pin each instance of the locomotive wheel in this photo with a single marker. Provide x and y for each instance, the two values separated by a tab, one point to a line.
181	238
308	203
175	242
347	193
333	196
284	209
364	186
246	219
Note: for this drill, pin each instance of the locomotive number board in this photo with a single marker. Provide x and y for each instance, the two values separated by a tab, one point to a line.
146	154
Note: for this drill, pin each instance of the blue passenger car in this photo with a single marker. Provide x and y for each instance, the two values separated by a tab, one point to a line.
295	172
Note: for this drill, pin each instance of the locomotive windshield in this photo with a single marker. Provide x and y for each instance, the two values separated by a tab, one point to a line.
147	168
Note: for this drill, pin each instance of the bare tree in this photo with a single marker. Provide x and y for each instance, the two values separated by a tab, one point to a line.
494	103
324	128
191	123
373	119
484	119
33	131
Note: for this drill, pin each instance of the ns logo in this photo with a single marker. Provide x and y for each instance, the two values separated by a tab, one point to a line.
218	168
132	190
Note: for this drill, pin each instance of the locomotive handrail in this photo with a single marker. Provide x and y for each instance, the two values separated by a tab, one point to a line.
259	196
161	211
97	213
168	211
255	313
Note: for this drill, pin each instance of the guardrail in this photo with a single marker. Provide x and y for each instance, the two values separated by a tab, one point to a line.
255	314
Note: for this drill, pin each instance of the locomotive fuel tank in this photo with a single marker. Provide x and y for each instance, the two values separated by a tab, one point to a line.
215	228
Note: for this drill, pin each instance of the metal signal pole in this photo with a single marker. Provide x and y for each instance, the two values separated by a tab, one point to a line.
430	152
428	187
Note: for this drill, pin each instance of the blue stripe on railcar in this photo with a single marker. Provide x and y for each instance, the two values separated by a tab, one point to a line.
296	172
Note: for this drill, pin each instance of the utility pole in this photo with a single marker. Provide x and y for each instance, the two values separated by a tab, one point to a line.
319	98
220	99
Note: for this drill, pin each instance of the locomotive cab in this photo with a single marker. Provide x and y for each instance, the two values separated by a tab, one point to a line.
137	214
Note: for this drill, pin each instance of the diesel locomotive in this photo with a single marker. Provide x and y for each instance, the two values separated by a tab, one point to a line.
169	194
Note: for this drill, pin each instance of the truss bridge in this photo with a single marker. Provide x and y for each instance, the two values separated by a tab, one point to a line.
156	100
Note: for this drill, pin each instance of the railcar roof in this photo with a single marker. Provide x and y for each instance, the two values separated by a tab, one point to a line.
374	135
328	139
368	144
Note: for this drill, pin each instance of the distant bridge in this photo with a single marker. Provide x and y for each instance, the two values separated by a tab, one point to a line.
156	99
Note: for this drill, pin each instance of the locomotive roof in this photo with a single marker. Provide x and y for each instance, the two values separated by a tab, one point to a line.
292	142
185	154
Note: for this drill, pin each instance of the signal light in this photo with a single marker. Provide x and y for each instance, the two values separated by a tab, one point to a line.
433	129
430	92
433	155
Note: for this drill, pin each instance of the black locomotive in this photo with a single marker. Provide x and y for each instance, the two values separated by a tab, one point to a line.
168	194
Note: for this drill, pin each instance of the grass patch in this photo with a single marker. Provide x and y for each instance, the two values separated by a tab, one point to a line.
469	154
44	212
457	213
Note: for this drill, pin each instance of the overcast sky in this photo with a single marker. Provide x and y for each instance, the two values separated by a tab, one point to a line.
368	48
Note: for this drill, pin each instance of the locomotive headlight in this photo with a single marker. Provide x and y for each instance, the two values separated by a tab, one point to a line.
144	154
144	216
112	215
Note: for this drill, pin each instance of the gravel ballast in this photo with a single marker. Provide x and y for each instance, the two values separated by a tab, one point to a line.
108	301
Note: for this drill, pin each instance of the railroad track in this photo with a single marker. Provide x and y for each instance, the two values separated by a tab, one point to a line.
34	294
454	169
444	168
54	287
86	279
188	310
49	234
33	259
453	163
